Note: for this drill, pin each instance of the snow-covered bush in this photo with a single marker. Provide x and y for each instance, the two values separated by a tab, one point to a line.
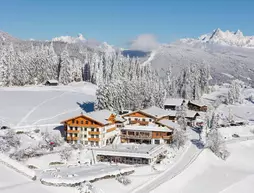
50	139
65	154
8	141
23	154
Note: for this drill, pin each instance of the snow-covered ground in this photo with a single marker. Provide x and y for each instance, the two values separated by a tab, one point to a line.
42	105
212	175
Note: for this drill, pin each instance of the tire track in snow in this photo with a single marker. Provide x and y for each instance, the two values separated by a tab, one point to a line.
37	106
48	118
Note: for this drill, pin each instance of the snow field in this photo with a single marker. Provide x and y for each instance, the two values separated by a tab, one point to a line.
212	175
17	166
37	105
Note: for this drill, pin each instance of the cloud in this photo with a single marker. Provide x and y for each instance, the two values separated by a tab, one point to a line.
144	42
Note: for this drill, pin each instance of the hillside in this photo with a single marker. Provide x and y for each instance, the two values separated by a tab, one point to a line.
228	61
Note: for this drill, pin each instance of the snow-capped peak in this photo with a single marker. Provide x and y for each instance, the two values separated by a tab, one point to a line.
225	38
70	39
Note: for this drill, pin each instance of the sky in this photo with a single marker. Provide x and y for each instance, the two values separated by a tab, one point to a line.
119	22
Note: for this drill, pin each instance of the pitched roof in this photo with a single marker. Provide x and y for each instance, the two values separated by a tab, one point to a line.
196	102
100	116
120	119
52	81
168	123
174	101
191	114
155	112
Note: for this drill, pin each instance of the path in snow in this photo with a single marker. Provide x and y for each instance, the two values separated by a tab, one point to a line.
188	157
37	106
48	118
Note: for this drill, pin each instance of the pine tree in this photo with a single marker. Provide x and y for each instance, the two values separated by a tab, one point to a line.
65	76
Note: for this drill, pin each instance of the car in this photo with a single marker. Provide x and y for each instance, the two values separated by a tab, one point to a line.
4	127
235	135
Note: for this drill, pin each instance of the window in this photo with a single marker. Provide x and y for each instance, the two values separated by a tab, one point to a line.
76	128
73	121
77	122
86	122
70	128
143	120
92	129
97	136
97	143
136	119
82	122
156	141
98	130
85	136
85	129
150	120
92	136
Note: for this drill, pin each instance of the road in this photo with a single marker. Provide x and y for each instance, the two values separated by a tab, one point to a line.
189	156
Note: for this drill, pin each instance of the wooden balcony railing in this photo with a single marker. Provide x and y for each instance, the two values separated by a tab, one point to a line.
111	129
72	138
136	136
93	139
143	123
94	133
167	137
72	131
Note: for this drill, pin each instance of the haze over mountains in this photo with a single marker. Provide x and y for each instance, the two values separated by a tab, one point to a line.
229	54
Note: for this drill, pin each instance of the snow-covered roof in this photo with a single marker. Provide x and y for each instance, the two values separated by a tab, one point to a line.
171	113
52	81
100	116
190	113
155	111
147	128
174	101
197	102
132	150
120	118
168	123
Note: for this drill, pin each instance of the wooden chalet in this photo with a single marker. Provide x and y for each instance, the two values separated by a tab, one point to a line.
97	128
51	83
143	126
197	106
173	103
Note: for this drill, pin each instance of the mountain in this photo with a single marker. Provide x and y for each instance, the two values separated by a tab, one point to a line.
229	55
7	38
227	38
69	39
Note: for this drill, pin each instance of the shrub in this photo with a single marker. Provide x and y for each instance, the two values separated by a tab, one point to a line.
37	130
32	167
55	163
20	132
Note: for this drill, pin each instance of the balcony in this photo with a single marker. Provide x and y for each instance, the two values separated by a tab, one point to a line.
72	131
93	139
94	133
167	137
126	136
142	123
111	129
72	138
